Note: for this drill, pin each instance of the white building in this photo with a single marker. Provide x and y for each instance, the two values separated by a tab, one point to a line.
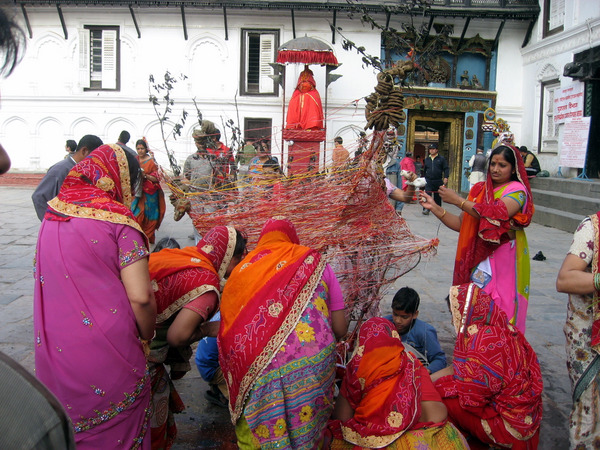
567	31
56	94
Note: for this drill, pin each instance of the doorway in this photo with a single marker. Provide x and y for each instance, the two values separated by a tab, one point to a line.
443	128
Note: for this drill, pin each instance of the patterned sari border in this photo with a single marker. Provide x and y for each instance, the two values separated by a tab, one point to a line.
270	350
184	300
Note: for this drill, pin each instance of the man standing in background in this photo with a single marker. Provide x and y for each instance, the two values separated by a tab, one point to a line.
436	174
53	180
477	164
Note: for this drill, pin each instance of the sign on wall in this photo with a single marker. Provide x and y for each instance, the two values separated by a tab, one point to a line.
568	102
575	142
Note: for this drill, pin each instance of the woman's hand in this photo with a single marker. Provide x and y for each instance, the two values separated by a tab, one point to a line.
449	196
426	200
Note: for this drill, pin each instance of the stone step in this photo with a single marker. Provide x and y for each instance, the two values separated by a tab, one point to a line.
577	204
555	218
575	186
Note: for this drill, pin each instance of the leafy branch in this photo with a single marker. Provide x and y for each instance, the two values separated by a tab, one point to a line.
162	102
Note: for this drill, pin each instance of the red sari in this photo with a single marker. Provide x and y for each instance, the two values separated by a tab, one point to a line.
149	209
179	278
495	393
385	385
305	111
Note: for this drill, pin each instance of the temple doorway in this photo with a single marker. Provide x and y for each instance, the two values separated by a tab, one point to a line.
443	128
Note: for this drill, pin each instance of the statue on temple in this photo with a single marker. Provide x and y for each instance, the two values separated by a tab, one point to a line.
305	111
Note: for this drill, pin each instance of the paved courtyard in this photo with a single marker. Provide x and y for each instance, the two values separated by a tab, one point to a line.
203	425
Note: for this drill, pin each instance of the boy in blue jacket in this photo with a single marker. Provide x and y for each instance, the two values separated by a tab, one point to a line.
421	336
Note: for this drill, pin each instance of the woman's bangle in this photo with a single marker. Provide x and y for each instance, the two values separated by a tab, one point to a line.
443	214
463	202
597	281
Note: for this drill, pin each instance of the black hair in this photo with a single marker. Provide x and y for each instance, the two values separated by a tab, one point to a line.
134	169
143	143
271	163
166	243
124	137
12	40
71	145
338	140
523	148
240	243
407	300
509	155
89	141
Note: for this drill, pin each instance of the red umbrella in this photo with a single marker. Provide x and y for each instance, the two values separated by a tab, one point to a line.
306	50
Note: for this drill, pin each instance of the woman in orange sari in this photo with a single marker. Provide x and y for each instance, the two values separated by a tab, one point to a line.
492	247
149	208
281	311
187	285
387	399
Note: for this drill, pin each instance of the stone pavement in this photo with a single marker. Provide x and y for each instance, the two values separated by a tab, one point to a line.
203	425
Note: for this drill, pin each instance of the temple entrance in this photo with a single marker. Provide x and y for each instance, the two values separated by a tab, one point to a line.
443	128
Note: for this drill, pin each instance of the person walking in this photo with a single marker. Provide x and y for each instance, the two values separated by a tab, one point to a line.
436	174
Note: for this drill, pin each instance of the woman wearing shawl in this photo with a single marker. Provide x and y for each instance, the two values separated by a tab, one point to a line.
149	209
187	285
387	399
281	311
93	301
579	276
493	390
492	248
305	110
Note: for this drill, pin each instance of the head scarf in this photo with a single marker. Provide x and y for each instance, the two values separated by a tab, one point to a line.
262	303
495	368
213	253
479	237
98	188
382	386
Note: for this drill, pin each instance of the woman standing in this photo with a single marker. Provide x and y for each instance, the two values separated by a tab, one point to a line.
492	248
149	209
93	303
187	285
387	399
281	311
579	276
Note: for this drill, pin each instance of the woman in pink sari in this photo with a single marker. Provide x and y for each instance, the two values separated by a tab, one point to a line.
492	249
93	303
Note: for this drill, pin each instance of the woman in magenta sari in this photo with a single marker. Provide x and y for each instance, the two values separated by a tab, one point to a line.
281	311
492	249
93	303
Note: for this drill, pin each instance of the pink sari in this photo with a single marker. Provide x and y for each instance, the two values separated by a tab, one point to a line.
87	350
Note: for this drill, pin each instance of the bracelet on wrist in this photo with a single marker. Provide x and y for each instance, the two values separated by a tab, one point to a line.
597	281
461	205
443	214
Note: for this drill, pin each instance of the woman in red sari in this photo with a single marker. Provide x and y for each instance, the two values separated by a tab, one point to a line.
305	111
149	209
492	247
493	390
387	399
187	285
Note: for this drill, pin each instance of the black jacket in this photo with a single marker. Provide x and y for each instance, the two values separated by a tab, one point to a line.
437	168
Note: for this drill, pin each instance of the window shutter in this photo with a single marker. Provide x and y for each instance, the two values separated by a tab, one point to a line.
109	59
267	55
84	58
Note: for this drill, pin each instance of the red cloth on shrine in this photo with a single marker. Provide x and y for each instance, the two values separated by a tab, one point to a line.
305	111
